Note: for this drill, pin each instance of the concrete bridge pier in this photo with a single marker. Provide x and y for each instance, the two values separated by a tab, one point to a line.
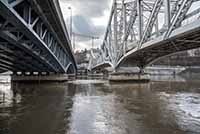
141	67
129	76
38	77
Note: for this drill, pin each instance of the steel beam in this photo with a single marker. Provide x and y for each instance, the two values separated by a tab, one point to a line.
179	16
115	27
140	18
138	24
13	41
26	26
17	57
151	22
167	13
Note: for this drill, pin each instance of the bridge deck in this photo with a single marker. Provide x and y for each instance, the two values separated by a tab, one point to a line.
53	16
184	38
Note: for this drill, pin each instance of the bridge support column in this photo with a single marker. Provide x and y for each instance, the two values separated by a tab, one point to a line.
40	78
14	73
128	77
141	69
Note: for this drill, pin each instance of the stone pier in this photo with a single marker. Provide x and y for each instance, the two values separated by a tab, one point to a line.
128	77
40	78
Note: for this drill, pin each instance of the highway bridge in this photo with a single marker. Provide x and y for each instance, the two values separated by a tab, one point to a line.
140	32
34	38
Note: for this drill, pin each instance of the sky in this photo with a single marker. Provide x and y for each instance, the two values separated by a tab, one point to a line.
90	17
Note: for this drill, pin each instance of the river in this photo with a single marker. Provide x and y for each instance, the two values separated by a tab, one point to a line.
169	106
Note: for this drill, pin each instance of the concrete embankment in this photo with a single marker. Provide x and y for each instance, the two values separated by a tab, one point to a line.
41	78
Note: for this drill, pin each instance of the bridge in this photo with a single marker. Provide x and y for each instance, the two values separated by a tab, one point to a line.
34	38
140	32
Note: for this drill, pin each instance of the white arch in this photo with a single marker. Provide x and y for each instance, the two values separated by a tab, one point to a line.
68	67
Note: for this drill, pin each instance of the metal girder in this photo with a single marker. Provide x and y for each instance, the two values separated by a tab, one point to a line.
3	70
115	32
11	40
118	31
141	22
178	17
17	57
4	67
8	50
133	16
28	23
15	3
52	16
193	13
130	23
140	18
151	22
14	66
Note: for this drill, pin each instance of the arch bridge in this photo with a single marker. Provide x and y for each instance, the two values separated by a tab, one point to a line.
140	32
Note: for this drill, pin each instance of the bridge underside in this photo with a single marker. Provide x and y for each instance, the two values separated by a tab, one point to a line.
29	42
15	59
179	41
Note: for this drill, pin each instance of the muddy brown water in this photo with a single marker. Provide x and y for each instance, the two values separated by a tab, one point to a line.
98	107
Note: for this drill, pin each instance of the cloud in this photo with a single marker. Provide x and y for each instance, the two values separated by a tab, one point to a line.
86	26
90	17
91	8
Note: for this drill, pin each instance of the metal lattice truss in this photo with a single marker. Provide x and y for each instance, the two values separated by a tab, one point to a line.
27	41
135	22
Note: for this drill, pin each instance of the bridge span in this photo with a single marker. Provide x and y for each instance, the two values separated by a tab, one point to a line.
34	38
140	32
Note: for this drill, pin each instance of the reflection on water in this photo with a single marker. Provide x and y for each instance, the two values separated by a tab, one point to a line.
97	107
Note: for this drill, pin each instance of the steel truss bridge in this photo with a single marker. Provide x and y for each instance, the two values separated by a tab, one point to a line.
34	38
142	31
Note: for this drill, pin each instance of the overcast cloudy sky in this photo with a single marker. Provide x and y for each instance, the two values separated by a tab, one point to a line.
90	17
